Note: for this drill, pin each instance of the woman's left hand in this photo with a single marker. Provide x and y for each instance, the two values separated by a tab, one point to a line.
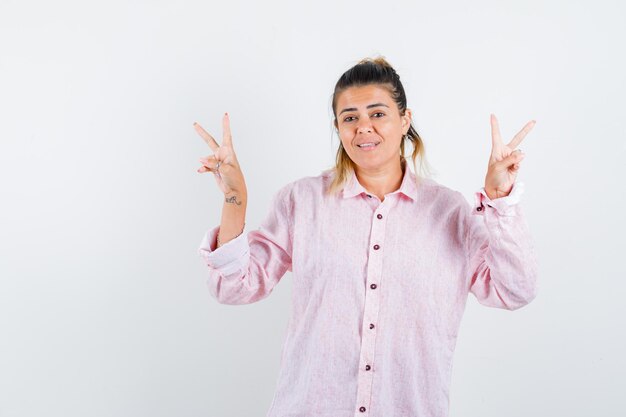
504	162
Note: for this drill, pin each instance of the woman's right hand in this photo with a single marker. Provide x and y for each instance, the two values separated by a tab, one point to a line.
223	163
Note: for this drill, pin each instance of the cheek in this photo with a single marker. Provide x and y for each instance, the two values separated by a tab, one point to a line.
345	136
393	132
346	145
391	129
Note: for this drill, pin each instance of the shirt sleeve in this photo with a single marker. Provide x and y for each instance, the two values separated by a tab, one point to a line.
501	255
247	268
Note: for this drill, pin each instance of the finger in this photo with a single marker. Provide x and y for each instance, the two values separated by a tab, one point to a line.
517	139
209	158
226	154
507	162
213	160
516	166
207	161
496	139
210	163
227	140
205	168
513	159
206	136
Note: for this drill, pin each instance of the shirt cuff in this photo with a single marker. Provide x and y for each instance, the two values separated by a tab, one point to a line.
503	205
228	258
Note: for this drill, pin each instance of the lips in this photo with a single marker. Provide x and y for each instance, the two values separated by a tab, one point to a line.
361	145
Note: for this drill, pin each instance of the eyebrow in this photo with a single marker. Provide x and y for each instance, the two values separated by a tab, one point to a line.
368	107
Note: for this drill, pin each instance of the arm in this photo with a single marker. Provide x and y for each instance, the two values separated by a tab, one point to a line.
233	216
501	259
246	269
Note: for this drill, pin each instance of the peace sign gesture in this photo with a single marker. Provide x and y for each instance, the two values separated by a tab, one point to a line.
223	163
505	160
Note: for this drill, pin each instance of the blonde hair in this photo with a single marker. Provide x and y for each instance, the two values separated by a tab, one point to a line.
377	71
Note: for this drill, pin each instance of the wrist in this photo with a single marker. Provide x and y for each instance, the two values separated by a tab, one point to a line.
238	192
495	194
220	243
236	197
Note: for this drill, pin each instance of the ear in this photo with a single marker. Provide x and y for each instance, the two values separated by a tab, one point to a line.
406	120
335	123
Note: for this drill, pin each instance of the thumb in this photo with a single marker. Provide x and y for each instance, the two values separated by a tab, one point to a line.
513	159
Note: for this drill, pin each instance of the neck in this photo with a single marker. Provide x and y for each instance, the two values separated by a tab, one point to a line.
383	180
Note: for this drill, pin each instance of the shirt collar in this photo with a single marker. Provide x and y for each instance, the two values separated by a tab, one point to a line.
408	187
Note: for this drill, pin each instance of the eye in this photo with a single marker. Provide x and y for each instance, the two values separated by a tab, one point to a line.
378	115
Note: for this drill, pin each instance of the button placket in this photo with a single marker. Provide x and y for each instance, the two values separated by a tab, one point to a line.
372	308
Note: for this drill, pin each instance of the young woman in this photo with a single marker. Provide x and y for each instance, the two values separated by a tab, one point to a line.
382	259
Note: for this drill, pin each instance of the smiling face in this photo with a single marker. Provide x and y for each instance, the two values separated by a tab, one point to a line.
369	115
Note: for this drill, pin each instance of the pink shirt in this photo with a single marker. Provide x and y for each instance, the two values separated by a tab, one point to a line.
379	289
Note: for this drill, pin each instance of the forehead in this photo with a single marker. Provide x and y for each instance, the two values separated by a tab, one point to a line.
362	96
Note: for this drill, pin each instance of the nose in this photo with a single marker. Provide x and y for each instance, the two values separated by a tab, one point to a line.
364	126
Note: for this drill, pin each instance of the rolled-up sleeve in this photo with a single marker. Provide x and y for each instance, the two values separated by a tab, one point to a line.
247	268
232	256
501	256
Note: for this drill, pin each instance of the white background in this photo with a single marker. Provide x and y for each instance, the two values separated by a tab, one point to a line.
104	309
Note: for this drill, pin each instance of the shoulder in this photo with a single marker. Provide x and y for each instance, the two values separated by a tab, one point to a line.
440	195
446	205
305	188
312	185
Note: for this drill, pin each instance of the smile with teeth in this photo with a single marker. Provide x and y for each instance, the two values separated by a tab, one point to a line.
368	145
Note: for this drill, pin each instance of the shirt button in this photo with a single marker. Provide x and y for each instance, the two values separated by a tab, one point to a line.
376	247
371	325
362	409
479	208
379	216
373	286
367	367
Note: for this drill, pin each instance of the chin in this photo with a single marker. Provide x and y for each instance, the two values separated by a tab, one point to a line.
368	164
